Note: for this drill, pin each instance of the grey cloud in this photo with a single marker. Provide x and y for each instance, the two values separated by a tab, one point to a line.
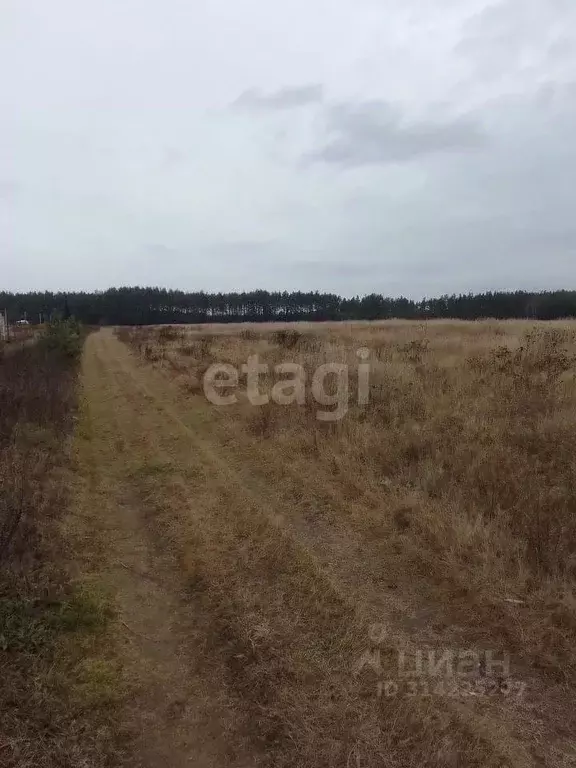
284	98
375	132
520	34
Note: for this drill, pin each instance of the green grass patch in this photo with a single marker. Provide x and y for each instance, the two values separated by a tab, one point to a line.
32	625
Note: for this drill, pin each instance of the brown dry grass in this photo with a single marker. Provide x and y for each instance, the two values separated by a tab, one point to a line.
50	625
443	509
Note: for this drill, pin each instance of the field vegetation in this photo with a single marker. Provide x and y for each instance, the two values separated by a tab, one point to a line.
441	513
252	585
51	623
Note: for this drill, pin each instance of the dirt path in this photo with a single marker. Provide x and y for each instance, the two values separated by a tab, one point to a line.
177	714
240	611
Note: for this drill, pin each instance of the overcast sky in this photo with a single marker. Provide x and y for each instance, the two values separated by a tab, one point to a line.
412	147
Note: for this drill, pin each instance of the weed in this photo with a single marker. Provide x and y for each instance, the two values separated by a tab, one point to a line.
287	339
168	333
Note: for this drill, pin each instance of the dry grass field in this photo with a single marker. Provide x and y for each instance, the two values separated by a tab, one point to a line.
392	588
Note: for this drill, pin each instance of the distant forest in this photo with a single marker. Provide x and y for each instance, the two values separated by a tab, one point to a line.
151	306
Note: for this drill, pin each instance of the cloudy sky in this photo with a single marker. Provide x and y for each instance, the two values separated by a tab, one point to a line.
410	147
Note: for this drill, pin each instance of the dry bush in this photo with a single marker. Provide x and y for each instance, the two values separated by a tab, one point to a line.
414	351
187	350
151	354
262	421
198	348
168	333
203	345
287	339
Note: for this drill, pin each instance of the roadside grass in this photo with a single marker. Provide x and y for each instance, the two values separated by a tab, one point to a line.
51	624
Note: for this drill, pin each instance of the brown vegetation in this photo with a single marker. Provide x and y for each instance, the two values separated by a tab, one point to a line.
443	510
50	624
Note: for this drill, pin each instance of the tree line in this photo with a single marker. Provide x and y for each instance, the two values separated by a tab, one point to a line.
154	306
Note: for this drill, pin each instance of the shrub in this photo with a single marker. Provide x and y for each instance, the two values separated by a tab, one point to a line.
415	350
204	346
168	333
199	348
287	339
64	337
